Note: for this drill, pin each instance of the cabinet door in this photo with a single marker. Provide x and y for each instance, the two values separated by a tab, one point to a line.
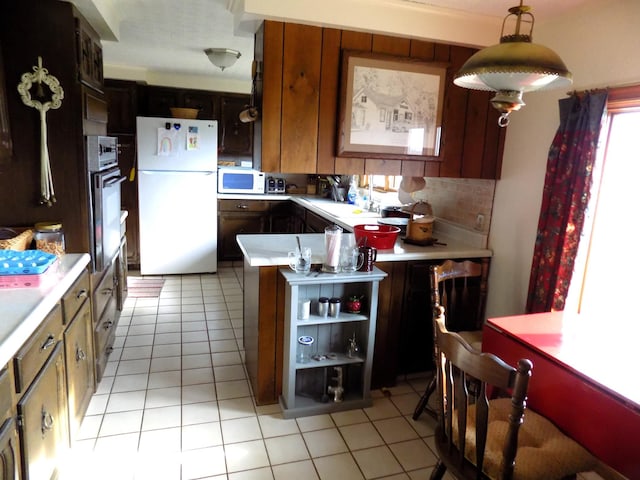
6	146
236	138
89	54
44	420
122	99
9	455
232	224
315	223
159	101
79	363
206	103
129	197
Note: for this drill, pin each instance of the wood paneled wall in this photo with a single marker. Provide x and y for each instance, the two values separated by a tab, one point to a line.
299	92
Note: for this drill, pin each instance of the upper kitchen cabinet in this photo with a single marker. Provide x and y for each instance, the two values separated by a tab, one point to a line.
298	89
122	101
235	137
89	55
6	148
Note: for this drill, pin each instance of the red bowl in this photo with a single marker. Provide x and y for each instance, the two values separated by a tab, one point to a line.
382	237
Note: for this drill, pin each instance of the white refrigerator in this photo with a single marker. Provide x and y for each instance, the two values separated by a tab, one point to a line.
177	195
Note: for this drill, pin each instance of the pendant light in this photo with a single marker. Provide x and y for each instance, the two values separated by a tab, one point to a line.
514	66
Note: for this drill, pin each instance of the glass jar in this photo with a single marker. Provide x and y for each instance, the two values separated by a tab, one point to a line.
49	237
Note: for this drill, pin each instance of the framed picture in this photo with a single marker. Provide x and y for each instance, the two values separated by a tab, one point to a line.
390	107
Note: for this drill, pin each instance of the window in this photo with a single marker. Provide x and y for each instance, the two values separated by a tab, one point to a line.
608	264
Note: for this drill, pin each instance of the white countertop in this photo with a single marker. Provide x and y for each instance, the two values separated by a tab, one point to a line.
270	249
23	309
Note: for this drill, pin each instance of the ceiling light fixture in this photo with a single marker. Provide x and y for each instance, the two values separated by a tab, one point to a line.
222	57
514	66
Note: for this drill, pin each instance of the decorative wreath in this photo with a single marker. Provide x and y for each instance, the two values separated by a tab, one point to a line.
41	76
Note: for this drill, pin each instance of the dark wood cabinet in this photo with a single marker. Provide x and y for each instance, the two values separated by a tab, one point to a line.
236	137
122	103
89	55
6	146
298	94
52	35
315	223
237	217
129	197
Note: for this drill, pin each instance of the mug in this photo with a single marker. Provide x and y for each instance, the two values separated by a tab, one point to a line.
300	262
370	255
351	259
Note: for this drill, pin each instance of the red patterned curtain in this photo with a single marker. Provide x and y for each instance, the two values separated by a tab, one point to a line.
566	194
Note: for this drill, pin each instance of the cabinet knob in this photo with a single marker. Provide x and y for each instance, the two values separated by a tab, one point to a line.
80	355
107	325
82	294
242	206
47	421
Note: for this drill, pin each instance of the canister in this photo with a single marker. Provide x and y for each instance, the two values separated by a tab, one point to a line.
49	237
334	307
323	306
304	349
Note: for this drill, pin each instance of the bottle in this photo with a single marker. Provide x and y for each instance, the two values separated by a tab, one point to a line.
352	194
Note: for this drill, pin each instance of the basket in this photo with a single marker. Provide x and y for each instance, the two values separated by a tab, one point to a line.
18	242
188	113
382	237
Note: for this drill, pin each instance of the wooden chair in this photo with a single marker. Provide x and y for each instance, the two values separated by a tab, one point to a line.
461	288
481	438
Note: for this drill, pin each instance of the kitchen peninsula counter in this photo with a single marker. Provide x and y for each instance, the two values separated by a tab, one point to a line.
23	309
264	301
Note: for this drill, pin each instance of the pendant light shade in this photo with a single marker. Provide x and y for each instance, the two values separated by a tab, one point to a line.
222	57
514	66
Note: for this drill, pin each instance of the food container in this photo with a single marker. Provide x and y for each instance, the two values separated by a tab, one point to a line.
49	237
382	237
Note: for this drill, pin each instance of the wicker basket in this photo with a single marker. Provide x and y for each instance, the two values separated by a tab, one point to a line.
19	242
188	113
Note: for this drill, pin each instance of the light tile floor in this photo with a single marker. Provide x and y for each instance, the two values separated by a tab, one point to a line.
175	404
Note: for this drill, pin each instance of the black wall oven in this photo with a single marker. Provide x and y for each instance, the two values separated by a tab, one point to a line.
104	186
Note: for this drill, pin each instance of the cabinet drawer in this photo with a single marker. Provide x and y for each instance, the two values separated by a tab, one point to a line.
72	300
43	420
104	292
103	337
37	349
244	205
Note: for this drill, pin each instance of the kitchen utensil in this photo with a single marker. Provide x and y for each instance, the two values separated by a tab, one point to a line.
370	254
334	307
332	242
300	262
420	229
383	237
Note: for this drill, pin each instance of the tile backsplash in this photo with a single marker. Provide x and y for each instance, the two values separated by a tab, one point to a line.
460	200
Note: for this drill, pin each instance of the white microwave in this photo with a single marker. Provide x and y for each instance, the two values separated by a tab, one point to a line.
240	180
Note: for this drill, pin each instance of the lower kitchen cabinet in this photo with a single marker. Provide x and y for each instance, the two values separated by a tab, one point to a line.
327	359
43	420
9	447
237	217
78	346
105	317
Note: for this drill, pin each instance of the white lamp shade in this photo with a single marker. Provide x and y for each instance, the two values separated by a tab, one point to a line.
517	66
222	57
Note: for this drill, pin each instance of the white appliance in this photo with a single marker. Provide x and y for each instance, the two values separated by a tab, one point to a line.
240	180
177	170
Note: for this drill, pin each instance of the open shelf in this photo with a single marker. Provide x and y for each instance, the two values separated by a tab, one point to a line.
343	317
341	359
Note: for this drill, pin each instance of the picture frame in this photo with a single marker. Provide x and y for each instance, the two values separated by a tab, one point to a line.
390	107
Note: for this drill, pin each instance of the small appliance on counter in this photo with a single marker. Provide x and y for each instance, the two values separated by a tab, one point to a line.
275	185
240	180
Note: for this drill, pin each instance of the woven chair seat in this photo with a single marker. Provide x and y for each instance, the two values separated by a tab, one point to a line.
544	452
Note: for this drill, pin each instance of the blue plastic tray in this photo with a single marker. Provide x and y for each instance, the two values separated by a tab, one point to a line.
13	262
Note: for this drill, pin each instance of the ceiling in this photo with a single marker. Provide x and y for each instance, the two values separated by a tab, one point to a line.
170	35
